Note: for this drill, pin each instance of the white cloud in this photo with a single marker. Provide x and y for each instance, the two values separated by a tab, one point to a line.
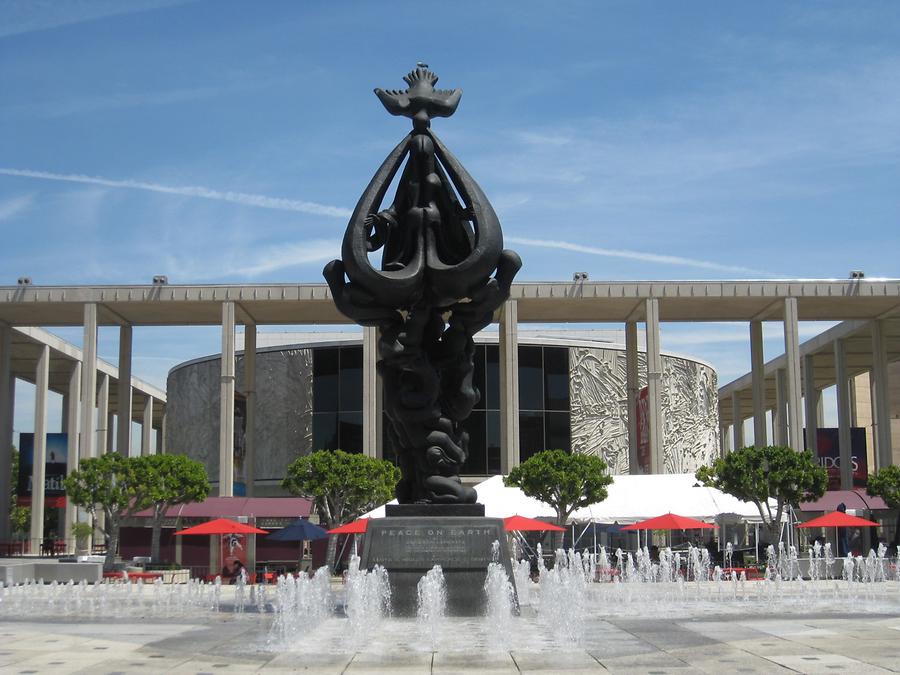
242	198
283	257
9	208
26	16
643	256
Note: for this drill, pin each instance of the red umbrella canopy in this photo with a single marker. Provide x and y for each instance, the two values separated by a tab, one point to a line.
521	523
356	527
670	521
838	519
222	526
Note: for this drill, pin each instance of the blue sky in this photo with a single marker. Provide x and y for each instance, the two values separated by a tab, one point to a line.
227	141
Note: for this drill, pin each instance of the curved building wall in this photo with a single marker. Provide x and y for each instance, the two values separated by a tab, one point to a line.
598	418
571	396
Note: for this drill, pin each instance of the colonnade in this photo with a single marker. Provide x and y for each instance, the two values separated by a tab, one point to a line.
798	400
87	416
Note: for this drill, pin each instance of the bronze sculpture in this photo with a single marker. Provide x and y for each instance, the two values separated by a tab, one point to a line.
440	244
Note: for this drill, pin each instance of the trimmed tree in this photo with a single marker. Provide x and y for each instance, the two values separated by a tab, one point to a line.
565	480
886	484
165	481
342	485
109	483
760	475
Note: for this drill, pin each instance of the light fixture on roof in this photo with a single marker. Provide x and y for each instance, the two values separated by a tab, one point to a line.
580	276
857	274
24	281
160	280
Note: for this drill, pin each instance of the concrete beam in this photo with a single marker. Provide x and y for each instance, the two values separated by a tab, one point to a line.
509	387
226	404
758	377
250	393
844	416
125	393
792	373
88	381
654	387
41	378
632	389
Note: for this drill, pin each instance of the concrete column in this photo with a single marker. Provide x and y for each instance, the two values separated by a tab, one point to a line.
881	402
110	431
811	397
7	397
632	389
737	427
159	442
843	409
723	440
73	409
509	386
792	356
758	375
370	386
779	415
250	392
654	387
41	384
147	426
102	415
88	381
123	410
226	404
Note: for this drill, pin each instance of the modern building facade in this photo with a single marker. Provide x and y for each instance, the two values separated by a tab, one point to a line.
310	395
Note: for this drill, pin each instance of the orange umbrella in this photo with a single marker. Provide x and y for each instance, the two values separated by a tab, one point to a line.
356	527
521	523
222	526
838	519
670	521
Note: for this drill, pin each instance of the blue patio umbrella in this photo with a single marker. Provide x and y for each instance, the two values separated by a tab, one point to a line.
300	530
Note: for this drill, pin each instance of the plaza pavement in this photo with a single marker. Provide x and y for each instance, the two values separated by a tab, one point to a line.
228	643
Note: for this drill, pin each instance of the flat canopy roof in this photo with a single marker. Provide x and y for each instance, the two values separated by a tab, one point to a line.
235	507
546	302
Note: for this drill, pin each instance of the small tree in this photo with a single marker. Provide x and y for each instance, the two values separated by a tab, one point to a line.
164	481
760	475
886	484
342	485
564	480
109	483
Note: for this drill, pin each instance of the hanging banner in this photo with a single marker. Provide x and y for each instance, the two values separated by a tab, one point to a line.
643	429
54	468
829	455
240	444
233	555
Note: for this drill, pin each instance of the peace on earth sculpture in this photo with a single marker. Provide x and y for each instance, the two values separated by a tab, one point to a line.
442	275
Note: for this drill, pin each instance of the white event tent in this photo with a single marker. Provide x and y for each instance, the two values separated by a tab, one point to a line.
631	499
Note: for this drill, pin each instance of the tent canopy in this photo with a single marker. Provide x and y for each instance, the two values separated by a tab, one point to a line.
300	530
222	526
631	499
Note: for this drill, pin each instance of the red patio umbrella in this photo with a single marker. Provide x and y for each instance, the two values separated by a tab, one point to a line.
356	527
221	526
838	519
670	521
521	523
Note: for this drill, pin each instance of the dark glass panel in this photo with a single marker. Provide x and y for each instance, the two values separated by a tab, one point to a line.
492	377
531	434
325	380
325	431
531	379
351	431
556	378
351	378
477	462
557	431
493	442
478	376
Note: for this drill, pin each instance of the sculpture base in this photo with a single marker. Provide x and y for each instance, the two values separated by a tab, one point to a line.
434	510
408	547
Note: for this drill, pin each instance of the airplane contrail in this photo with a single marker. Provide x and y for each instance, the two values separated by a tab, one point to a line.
242	198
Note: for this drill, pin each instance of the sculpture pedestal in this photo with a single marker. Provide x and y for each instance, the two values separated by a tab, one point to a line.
413	538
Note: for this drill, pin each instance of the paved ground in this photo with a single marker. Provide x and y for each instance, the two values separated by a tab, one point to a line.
236	644
617	634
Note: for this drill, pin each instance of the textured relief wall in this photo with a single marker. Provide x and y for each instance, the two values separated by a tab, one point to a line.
598	409
283	410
